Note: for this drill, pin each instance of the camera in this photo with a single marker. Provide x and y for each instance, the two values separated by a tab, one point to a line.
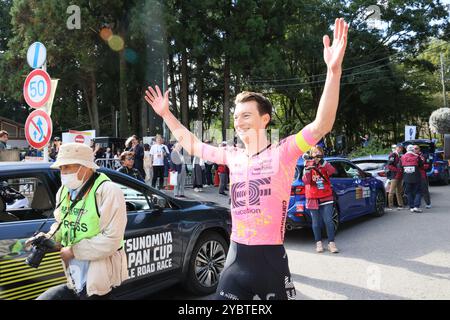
40	246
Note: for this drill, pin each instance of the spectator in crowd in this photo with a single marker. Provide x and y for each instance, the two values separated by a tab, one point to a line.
178	165
394	174
425	192
138	151
127	161
148	166
55	148
3	139
158	151
166	159
319	197
98	151
108	153
117	159
365	140
208	170
197	168
222	172
411	164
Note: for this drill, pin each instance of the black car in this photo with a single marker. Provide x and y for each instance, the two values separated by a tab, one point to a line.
167	240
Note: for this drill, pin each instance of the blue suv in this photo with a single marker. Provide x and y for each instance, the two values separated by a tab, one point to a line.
439	168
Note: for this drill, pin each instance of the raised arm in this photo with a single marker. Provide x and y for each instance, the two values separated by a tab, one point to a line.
187	139
333	56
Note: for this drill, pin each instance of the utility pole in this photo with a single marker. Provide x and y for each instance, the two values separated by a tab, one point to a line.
443	80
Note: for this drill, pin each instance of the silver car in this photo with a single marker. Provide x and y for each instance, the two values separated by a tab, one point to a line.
374	164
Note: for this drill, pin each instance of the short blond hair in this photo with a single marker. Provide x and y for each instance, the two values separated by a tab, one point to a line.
316	149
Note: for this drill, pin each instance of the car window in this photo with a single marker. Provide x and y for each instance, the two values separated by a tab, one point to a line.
371	165
25	198
134	199
340	172
351	170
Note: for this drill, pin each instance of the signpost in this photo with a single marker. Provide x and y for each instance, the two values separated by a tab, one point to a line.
36	55
38	129
37	88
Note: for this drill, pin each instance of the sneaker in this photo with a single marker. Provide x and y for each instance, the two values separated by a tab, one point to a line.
196	189
417	210
319	247
412	210
400	208
428	206
223	193
389	209
332	247
205	186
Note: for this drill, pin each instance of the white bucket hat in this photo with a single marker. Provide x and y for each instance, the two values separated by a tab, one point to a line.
75	153
410	148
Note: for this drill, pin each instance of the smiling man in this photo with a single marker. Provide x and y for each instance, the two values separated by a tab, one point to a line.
261	176
90	225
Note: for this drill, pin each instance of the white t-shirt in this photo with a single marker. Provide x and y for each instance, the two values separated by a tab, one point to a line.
157	151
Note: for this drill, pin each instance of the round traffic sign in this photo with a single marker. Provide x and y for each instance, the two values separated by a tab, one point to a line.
37	87
79	138
38	129
36	55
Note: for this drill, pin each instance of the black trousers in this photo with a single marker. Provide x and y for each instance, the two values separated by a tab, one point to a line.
158	172
62	292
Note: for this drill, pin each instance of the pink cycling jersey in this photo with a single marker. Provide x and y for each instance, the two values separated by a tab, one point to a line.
261	187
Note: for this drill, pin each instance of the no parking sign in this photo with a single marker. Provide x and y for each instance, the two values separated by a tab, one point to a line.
38	129
37	88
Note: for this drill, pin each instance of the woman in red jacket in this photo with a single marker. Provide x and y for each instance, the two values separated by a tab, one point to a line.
319	197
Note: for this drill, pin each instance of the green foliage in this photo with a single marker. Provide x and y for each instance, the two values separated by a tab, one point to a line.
390	77
374	147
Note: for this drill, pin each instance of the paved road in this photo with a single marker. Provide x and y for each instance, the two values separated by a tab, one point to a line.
398	256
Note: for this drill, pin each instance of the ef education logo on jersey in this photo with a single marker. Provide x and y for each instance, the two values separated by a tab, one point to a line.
256	189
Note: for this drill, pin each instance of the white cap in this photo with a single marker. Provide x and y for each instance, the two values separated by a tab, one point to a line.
75	153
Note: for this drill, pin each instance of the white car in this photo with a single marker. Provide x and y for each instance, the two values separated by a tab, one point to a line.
376	165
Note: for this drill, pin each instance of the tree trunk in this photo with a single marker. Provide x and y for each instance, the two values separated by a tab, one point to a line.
90	92
94	104
226	93
184	104
173	86
199	80
123	128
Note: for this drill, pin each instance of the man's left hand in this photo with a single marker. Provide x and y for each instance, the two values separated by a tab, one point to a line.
66	254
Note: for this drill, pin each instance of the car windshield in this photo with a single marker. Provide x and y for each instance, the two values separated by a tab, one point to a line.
371	165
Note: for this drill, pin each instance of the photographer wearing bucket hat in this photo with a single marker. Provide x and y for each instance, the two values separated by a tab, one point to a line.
90	225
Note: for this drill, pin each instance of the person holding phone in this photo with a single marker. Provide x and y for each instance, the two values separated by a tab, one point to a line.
319	197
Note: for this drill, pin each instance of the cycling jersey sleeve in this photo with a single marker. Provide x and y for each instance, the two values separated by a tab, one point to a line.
297	144
215	154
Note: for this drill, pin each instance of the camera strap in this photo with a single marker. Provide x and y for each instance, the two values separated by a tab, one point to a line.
320	174
84	190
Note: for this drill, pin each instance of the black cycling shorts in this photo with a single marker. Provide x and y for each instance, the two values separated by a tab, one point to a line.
255	273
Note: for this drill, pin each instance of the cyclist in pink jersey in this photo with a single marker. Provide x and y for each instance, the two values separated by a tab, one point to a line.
261	175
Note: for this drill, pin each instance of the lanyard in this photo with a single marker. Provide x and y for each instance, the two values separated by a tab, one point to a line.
80	212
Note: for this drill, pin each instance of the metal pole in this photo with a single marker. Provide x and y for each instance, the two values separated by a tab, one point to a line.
443	80
44	67
117	124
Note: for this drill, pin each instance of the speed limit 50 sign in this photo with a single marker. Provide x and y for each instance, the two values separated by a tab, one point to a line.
37	88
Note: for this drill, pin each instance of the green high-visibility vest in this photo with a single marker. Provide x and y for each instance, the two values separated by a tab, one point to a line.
83	220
